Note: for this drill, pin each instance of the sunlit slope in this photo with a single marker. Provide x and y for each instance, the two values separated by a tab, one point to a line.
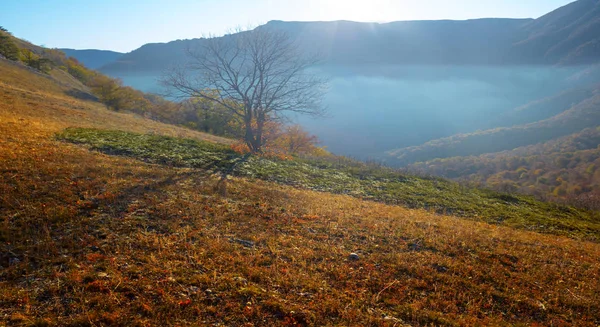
59	101
342	176
89	239
17	76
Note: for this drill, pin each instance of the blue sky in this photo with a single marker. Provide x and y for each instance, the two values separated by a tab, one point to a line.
124	25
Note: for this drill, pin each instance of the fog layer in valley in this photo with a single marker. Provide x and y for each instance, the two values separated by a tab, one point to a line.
372	109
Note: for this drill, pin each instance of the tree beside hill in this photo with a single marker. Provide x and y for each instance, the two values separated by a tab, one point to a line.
258	76
279	84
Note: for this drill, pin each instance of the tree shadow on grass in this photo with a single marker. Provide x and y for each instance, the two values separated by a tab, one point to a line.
147	194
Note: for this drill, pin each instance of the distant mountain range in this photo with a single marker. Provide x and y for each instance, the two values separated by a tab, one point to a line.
93	59
350	43
567	36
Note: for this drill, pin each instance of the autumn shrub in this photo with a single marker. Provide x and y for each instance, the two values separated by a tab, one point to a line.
240	148
8	48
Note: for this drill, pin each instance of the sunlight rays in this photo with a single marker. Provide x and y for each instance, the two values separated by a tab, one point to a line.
354	10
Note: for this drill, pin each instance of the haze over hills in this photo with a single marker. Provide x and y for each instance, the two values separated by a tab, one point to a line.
93	59
412	91
566	36
353	43
584	113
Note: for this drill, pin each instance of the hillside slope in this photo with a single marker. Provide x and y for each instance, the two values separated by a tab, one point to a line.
92	239
547	107
564	168
56	81
584	114
568	35
28	94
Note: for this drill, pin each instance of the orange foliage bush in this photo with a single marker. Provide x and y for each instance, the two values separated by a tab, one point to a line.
240	148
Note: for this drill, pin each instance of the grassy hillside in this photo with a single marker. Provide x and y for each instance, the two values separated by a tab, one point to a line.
28	94
56	82
346	177
91	239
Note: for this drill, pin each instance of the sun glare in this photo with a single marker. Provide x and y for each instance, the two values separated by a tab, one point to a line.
355	10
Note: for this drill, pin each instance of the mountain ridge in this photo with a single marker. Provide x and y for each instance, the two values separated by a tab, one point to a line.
567	35
93	58
351	43
491	41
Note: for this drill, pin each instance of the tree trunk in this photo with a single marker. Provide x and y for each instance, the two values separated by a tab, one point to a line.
249	137
258	138
206	123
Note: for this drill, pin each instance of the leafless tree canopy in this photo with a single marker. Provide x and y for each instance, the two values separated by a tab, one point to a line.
255	74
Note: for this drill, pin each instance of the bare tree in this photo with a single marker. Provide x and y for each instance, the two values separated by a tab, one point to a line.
258	75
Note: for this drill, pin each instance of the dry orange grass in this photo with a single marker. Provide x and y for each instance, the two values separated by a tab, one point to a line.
92	240
40	100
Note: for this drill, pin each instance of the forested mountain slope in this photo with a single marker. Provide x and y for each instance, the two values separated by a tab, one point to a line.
568	35
565	168
584	114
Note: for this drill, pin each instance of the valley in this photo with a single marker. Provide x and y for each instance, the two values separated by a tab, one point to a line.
300	173
494	85
91	238
374	109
